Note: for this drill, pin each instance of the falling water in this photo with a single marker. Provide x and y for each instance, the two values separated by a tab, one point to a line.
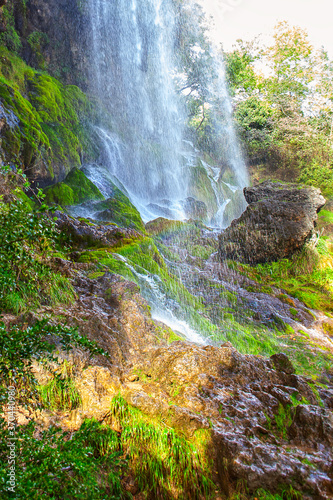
143	151
163	308
131	74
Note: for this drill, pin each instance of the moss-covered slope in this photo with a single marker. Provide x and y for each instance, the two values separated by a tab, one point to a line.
43	127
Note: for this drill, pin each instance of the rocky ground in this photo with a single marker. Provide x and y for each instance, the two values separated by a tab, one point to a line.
265	424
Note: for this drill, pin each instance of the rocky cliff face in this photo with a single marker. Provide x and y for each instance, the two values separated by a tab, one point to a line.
45	119
64	49
265	425
52	36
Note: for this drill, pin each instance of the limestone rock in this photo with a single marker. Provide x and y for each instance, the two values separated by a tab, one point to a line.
280	218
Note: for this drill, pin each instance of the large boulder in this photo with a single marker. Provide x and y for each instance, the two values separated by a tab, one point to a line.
280	218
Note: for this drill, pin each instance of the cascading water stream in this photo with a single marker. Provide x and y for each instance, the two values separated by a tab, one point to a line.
161	306
140	131
131	66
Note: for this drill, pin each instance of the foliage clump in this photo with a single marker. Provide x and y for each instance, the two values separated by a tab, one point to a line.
284	115
38	343
28	236
163	461
55	464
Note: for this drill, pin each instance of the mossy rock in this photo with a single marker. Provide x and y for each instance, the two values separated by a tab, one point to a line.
120	210
75	189
60	194
45	133
234	208
201	188
83	188
29	204
162	226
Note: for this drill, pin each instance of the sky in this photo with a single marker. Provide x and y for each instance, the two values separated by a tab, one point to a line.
246	19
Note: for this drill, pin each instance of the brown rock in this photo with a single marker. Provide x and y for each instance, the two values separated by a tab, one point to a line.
280	218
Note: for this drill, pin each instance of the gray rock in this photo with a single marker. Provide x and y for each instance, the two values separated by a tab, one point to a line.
195	209
280	218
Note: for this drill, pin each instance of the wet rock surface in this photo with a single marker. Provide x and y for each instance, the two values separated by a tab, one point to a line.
280	218
84	233
267	426
195	209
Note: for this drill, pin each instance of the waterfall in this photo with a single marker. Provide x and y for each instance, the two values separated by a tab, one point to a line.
131	75
132	64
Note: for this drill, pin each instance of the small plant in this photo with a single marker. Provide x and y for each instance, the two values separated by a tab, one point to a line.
27	239
9	37
60	392
20	347
283	420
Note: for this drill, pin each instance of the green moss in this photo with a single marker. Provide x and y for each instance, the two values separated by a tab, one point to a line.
51	117
60	194
75	189
83	188
120	210
302	277
20	194
172	228
202	252
325	217
95	275
9	36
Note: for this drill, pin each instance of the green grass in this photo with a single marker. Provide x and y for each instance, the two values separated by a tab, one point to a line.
53	464
60	392
307	276
45	288
325	217
163	461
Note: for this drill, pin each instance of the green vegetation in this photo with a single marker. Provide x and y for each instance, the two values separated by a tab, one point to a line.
308	276
120	210
60	392
50	117
142	258
75	189
9	36
37	40
26	277
84	465
283	420
20	347
163	461
92	462
282	140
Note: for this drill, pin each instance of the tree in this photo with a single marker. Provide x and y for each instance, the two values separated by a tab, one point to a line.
284	114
